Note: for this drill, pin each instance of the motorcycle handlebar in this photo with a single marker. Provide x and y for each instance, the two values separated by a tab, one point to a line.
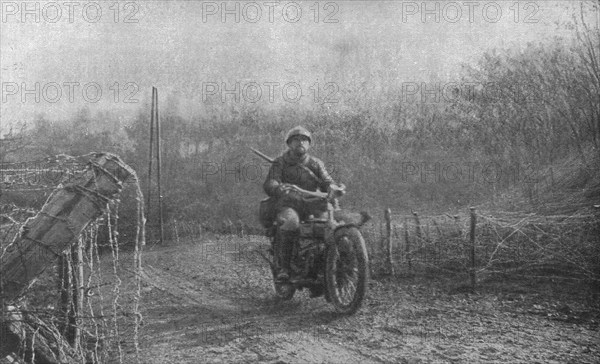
334	191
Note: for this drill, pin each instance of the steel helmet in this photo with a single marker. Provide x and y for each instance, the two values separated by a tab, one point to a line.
298	130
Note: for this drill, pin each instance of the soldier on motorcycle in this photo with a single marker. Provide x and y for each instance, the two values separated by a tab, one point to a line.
294	167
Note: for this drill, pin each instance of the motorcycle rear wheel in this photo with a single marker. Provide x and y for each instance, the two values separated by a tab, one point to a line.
346	270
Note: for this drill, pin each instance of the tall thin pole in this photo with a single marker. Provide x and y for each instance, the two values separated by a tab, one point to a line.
158	143
388	233
151	156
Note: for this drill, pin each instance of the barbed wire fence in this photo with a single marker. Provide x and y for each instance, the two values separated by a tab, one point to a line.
475	244
484	243
87	307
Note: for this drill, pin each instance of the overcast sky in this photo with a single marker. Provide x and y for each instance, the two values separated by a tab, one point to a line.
186	48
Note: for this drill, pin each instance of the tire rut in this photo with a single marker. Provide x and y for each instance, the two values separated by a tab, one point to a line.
225	330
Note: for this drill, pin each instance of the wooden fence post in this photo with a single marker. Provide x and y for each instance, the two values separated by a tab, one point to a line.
407	246
418	233
176	230
77	310
597	213
381	246
71	277
388	232
242	233
458	229
66	213
418	226
3	314
65	282
231	227
436	247
472	240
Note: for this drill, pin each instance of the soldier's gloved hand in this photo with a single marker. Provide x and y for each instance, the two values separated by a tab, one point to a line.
283	189
290	191
337	190
280	191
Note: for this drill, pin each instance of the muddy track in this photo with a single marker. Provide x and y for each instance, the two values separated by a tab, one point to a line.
211	301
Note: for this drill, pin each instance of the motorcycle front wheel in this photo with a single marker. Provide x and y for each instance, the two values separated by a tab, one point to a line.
346	270
283	291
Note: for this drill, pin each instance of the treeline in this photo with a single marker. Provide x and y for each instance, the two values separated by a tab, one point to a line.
435	145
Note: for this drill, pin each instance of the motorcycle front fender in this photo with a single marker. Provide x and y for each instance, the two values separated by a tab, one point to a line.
330	238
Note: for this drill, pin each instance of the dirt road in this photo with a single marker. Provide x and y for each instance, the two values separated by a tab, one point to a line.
210	301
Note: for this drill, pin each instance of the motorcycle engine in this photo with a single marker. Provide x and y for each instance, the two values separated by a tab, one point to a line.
304	257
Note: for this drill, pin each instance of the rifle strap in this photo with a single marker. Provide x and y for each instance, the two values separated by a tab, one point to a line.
311	174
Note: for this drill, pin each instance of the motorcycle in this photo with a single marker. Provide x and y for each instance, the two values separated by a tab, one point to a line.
329	258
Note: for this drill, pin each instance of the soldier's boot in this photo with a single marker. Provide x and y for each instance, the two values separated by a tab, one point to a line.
286	245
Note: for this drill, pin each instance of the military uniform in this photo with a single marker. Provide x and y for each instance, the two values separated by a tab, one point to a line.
306	172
